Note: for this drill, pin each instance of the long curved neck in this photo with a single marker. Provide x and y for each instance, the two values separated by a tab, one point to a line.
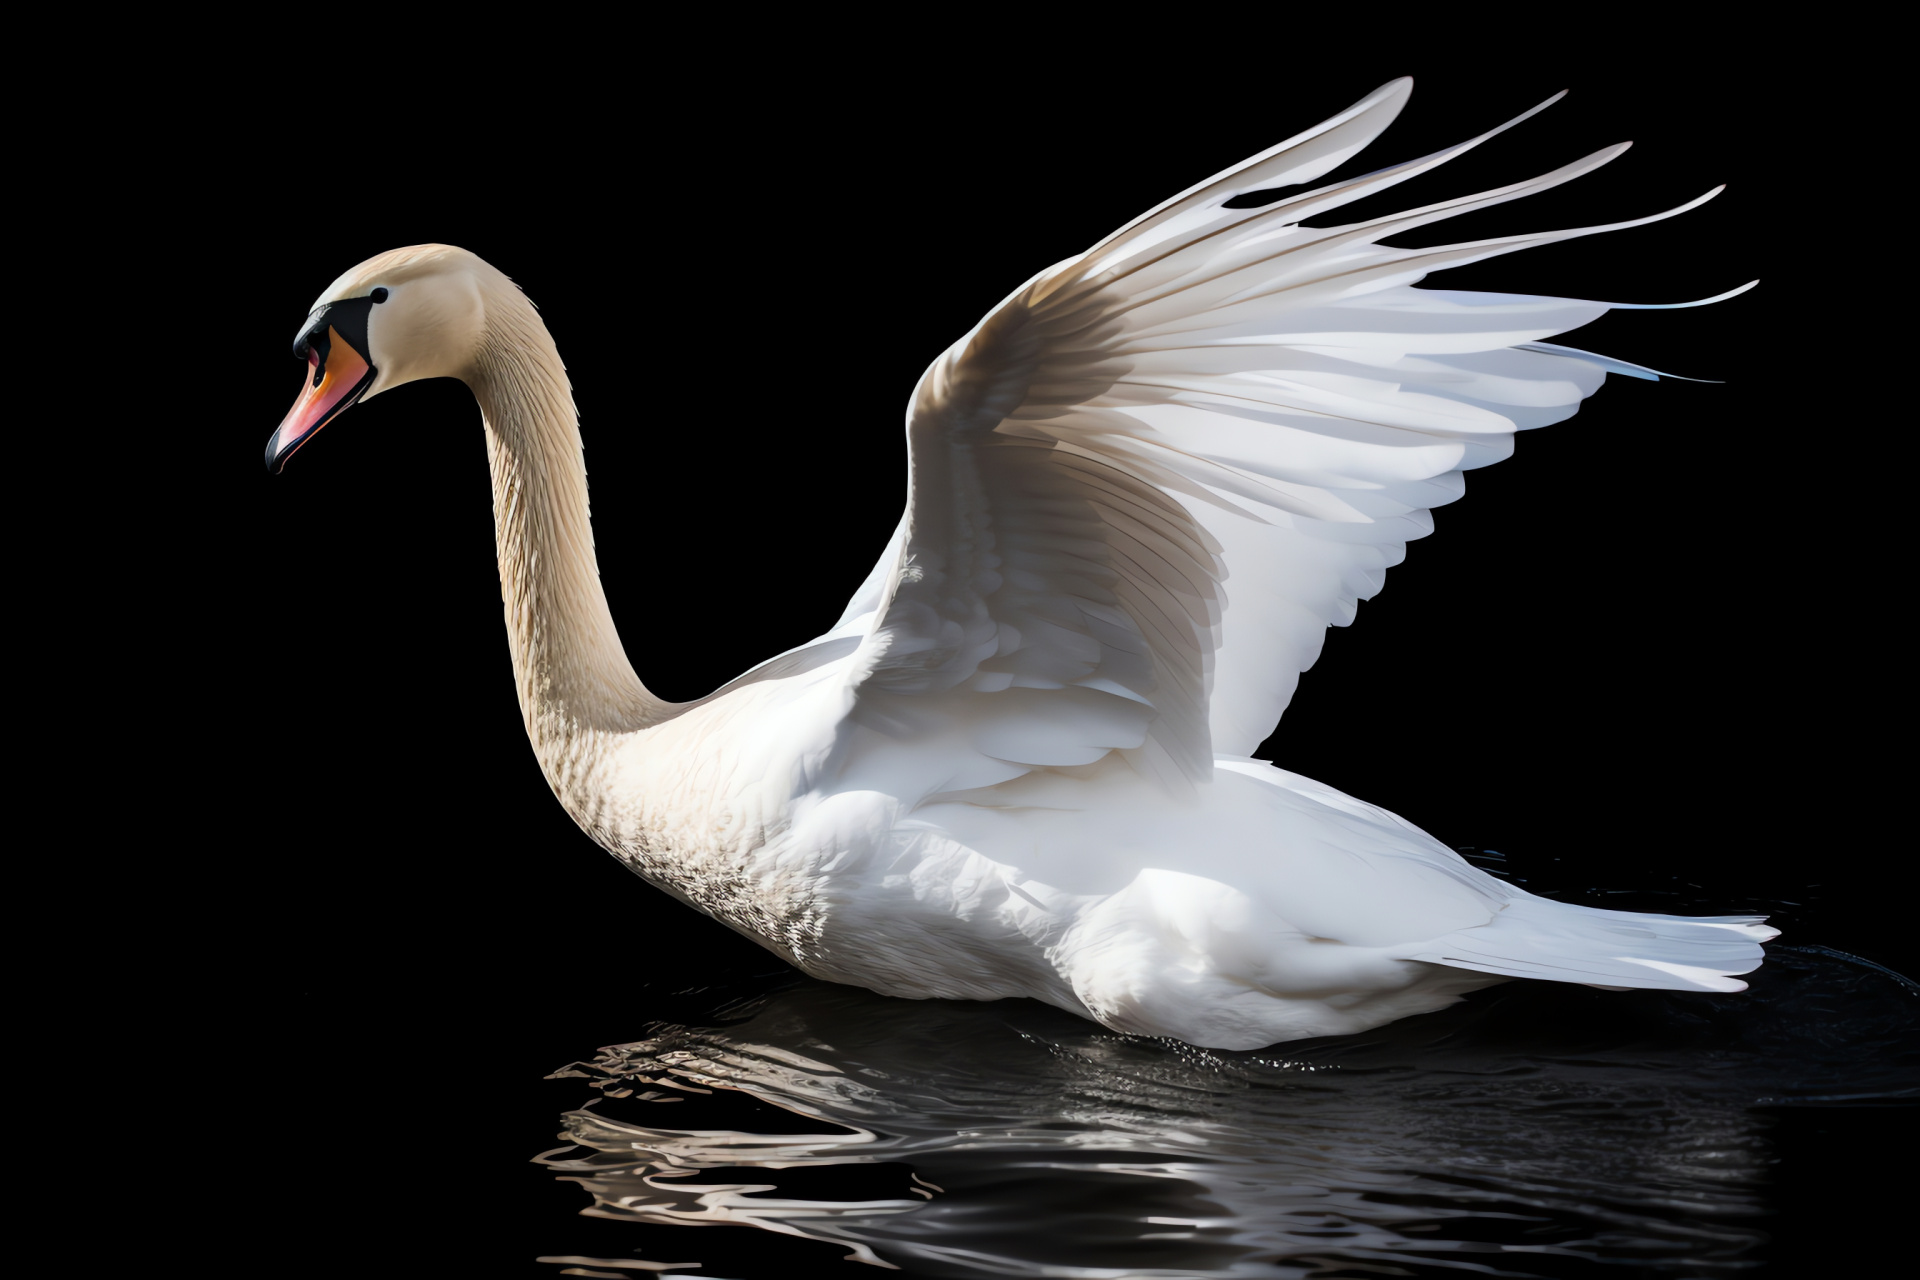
575	683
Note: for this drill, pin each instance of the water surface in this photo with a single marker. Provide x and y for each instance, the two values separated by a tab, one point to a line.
1534	1130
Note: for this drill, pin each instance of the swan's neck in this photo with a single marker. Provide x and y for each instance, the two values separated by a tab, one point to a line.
577	689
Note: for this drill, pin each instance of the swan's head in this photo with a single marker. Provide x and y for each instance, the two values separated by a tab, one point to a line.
408	314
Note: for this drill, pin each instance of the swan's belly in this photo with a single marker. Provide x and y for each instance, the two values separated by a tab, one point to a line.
838	885
1261	913
928	917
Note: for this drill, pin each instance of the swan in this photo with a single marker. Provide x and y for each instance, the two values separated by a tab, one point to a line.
1139	491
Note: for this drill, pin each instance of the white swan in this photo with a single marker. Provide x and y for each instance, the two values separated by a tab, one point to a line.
1140	490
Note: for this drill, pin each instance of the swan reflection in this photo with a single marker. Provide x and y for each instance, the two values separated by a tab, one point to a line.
1517	1132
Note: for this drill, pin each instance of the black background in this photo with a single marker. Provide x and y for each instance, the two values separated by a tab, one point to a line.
1648	654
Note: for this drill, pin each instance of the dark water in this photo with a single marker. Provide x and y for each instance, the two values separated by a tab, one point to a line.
1535	1130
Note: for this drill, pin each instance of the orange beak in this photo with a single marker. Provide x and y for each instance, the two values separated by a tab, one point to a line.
337	375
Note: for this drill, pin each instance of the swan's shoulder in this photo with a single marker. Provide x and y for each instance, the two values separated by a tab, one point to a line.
751	733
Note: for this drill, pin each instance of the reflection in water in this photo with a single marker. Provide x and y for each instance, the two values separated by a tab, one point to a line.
1532	1131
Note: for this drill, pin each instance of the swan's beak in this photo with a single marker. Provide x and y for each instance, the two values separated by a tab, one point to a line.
337	375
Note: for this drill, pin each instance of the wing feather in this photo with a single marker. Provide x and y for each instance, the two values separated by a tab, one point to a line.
1144	485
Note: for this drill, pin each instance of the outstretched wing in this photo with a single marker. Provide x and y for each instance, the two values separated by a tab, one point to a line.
1147	482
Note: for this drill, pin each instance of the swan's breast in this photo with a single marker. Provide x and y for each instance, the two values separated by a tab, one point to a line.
704	806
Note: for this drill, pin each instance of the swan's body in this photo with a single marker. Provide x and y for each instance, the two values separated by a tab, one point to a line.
1140	491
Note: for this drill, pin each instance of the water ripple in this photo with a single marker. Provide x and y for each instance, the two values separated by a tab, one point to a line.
1531	1131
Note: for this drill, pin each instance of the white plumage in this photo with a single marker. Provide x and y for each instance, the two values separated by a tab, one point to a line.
1140	490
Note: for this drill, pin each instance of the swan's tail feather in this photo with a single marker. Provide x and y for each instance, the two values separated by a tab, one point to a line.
1538	938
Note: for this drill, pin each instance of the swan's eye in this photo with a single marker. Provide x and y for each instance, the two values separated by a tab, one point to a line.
379	295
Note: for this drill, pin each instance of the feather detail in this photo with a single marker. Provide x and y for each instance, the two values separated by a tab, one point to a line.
1155	473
